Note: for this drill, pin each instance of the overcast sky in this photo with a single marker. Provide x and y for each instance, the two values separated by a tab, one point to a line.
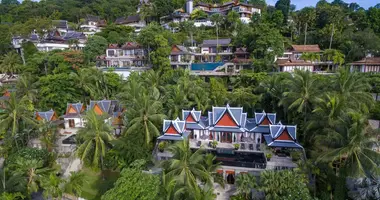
303	3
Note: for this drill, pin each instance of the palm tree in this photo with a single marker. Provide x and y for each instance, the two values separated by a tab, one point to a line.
52	186
353	90
188	27
94	139
16	112
10	63
75	183
233	18
364	188
32	170
186	166
176	101
11	196
334	56
25	87
352	148
312	57
217	19
245	183
243	97
302	93
145	116
211	166
84	79
198	14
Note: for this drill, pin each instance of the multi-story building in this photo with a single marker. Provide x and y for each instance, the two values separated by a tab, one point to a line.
131	54
219	50
177	16
369	64
244	10
292	59
134	21
92	25
238	142
181	57
74	116
53	40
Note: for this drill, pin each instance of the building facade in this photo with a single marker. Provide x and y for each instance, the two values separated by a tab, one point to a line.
92	25
131	54
238	142
292	59
369	64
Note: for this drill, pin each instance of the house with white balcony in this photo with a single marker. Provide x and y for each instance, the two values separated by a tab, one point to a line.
181	57
176	17
241	144
244	10
134	21
292	59
215	50
130	54
92	25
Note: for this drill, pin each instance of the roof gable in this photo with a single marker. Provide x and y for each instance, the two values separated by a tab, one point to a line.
265	119
306	48
47	116
171	130
174	127
190	118
97	109
226	120
283	132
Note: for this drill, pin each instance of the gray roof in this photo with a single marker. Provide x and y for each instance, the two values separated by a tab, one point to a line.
73	35
107	106
183	50
92	18
127	20
46	115
221	42
259	117
60	24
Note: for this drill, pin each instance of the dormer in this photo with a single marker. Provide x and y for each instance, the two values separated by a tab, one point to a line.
173	130
193	120
282	136
265	119
74	109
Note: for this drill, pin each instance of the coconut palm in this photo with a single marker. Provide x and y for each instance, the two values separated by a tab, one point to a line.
176	101
11	196
84	79
311	57
217	20
52	185
10	63
94	140
353	90
243	97
32	170
352	148
245	183
145	116
74	184
302	93
364	188
188	27
186	167
198	14
48	134
233	18
25	87
16	112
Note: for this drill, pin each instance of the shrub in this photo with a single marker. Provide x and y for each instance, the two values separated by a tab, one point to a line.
29	154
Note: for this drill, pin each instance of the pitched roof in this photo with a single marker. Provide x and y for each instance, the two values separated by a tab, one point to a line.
127	20
368	61
241	50
78	109
220	42
179	50
306	48
260	117
282	136
107	106
74	35
60	24
234	113
47	116
194	121
177	126
92	18
131	45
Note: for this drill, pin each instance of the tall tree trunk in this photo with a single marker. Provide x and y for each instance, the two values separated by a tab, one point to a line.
332	35
22	55
305	33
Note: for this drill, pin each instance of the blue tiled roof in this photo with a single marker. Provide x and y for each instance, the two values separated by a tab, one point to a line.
195	126
285	144
227	129
177	124
276	130
260	129
259	117
250	124
46	115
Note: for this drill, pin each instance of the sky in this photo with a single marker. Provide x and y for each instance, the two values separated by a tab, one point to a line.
303	3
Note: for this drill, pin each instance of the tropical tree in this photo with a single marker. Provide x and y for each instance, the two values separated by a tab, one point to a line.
367	188
351	148
94	140
16	112
186	166
176	101
245	183
284	184
243	97
217	20
353	90
302	93
145	115
52	185
198	14
10	63
74	184
188	27
311	57
233	18
11	196
32	170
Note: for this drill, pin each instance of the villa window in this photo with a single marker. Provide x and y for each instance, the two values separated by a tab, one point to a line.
226	137
71	123
111	53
